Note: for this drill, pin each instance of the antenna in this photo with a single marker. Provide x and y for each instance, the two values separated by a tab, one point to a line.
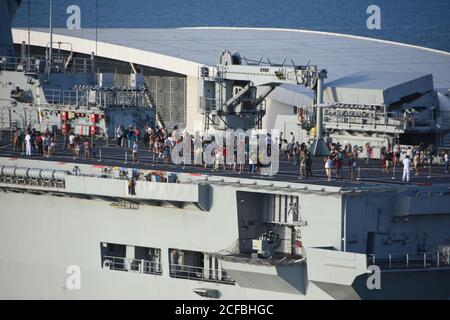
29	25
96	25
96	35
51	42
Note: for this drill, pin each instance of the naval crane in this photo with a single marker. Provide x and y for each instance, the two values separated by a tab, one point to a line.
235	89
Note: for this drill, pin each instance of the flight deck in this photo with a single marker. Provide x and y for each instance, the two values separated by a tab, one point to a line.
109	154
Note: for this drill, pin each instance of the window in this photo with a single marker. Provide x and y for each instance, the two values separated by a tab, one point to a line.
194	265
128	258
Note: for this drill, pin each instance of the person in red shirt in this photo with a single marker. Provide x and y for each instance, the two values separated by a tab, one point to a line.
224	156
137	135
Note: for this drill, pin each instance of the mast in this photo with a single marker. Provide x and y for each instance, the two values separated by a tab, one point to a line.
29	26
96	38
51	42
96	25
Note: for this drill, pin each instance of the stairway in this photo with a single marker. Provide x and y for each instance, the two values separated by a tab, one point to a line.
149	96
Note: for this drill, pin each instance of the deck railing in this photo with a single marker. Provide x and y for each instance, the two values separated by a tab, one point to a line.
132	265
66	97
410	260
200	274
93	97
61	63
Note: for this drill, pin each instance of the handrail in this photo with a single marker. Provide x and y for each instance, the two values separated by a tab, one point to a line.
35	64
363	117
409	260
200	274
90	96
129	264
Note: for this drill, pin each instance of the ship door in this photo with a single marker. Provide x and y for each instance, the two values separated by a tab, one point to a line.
370	242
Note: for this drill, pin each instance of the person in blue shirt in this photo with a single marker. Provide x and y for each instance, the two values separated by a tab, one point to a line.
130	136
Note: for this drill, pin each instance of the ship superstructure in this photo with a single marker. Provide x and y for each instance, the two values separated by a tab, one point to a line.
403	108
154	230
63	92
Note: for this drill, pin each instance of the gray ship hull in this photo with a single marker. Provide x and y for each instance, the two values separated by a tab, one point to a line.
42	236
46	231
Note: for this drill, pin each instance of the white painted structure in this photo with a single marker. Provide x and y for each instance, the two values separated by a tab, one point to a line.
185	50
330	234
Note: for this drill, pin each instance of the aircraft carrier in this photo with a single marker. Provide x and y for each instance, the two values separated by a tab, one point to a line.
110	226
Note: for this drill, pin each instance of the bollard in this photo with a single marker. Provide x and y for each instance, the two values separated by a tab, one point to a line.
125	156
393	173
100	155
359	174
429	171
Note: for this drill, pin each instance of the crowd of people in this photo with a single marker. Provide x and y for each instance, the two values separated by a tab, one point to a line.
157	140
160	144
31	142
390	157
415	157
73	144
298	153
338	158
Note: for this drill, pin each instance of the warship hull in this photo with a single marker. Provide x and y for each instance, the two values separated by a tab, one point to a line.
47	231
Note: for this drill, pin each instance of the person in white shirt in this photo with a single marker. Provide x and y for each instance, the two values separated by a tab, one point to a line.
134	153
218	159
292	138
284	149
28	144
175	138
328	167
446	161
71	142
252	160
406	169
290	151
